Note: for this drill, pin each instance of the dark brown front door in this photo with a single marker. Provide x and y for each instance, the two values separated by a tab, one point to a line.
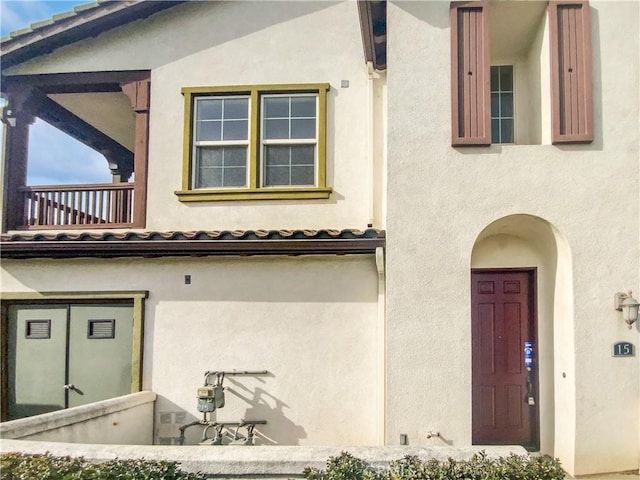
505	401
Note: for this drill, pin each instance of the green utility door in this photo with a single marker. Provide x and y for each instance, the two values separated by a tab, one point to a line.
36	339
63	356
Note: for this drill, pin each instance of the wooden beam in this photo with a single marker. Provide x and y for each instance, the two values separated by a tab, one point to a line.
61	118
17	116
138	94
81	82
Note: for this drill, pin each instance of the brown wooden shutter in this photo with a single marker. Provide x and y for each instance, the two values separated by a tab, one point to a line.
470	94
571	84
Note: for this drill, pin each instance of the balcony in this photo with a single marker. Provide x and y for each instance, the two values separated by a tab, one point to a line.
105	111
77	206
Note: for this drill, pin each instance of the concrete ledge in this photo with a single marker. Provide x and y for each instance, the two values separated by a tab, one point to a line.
38	424
264	462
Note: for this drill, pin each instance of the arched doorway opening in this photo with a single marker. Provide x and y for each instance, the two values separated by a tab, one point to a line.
532	251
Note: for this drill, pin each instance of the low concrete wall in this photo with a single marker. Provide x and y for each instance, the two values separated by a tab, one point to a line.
259	462
121	420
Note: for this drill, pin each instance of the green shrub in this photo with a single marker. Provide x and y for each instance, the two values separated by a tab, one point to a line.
20	466
479	467
344	467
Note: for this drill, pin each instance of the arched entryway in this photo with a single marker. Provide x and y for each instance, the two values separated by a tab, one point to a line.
522	292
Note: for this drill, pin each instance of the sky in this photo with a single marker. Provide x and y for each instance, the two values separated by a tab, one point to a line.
54	157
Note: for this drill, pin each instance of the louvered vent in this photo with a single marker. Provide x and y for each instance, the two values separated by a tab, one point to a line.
102	329
37	329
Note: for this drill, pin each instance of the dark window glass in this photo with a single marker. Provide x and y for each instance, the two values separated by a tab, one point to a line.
502	100
289	165
218	167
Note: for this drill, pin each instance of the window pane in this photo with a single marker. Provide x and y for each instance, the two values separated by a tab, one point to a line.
277	176
236	108
235	130
219	167
507	131
235	156
209	109
502	100
290	165
210	157
495	86
277	155
495	130
506	78
276	107
302	175
235	177
495	104
303	106
506	105
302	155
274	129
303	128
209	178
208	131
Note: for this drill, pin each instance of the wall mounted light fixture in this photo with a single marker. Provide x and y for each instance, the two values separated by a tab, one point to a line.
7	116
628	305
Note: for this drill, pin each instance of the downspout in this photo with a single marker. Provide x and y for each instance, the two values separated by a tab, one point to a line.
382	351
370	147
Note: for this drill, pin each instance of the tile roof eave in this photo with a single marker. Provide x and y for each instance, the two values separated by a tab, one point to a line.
161	244
84	22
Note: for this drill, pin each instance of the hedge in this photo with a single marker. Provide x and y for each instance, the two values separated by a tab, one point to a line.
479	467
21	466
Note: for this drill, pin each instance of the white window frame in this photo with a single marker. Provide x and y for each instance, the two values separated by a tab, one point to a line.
513	107
220	143
283	141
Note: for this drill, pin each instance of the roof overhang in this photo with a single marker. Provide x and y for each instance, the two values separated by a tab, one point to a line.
92	19
85	21
171	244
373	26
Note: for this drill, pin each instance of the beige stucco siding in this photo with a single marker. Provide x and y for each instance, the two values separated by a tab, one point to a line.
243	43
587	195
310	322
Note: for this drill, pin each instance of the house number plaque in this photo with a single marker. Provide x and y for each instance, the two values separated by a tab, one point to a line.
623	349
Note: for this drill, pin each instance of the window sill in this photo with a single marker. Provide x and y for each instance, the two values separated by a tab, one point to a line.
256	194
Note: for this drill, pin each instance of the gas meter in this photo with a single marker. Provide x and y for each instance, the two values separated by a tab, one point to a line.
210	398
206	402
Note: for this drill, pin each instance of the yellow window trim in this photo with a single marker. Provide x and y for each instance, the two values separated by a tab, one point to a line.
254	192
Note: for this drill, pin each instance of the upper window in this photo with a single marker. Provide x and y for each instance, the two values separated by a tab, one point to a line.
483	99
502	104
221	141
262	142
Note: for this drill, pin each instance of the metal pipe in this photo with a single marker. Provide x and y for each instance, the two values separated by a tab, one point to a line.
208	373
184	427
382	355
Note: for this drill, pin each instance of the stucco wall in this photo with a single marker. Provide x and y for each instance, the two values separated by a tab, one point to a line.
311	322
124	420
243	43
445	197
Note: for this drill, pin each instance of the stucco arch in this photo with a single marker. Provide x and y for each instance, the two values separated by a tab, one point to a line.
529	241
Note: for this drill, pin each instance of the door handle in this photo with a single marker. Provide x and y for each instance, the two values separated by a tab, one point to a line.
69	386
